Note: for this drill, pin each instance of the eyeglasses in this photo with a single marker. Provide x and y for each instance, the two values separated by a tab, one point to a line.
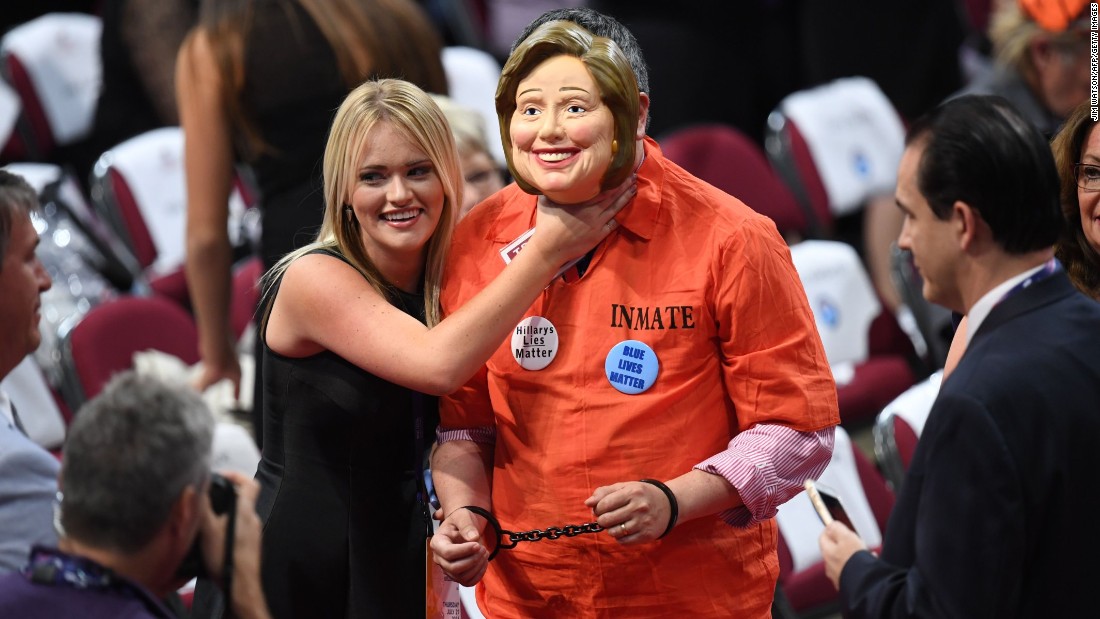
1087	175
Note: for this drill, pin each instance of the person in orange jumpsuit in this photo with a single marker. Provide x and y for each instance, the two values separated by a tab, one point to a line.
681	349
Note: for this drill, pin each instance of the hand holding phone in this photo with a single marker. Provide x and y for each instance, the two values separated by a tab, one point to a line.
827	504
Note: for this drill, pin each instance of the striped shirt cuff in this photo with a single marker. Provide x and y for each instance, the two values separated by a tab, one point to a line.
768	464
483	435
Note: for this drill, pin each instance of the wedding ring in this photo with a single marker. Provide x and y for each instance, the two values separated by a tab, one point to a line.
623	527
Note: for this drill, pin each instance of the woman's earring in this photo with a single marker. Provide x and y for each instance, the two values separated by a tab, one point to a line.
348	214
614	147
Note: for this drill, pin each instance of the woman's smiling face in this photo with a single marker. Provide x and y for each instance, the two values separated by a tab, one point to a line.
1089	199
398	196
561	131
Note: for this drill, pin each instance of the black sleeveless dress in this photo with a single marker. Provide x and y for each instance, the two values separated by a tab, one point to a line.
344	533
291	91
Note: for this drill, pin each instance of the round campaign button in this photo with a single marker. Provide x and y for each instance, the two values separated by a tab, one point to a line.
631	367
534	343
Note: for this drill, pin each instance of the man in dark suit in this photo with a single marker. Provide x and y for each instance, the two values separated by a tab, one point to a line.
997	516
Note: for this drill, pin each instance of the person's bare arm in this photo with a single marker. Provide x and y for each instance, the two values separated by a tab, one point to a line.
881	225
761	468
461	473
325	304
636	512
208	163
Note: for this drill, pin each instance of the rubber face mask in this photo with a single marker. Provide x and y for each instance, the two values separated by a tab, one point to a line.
568	107
561	131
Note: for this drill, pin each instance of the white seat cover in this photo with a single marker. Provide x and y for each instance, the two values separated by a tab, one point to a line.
472	77
855	138
61	54
152	166
798	522
841	297
37	175
10	106
914	404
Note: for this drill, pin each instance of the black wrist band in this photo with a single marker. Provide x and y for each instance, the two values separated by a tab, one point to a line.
484	513
674	507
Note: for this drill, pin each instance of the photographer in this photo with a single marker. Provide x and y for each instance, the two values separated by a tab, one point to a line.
136	479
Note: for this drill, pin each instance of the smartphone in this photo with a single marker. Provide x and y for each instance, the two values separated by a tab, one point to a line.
827	504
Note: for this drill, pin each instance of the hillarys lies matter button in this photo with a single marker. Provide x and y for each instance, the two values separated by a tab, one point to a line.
534	343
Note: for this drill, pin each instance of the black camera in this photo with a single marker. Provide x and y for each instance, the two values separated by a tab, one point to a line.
223	500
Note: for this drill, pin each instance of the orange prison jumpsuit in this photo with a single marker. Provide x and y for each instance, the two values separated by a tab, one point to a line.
708	285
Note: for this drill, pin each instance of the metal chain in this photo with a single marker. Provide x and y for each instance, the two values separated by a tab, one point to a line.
537	535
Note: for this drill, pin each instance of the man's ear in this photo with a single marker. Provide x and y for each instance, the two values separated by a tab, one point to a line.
184	518
643	115
969	225
1041	52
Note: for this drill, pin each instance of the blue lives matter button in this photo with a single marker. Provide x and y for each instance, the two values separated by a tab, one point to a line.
631	367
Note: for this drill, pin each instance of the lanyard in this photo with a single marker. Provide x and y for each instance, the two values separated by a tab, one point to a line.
55	568
1051	267
423	496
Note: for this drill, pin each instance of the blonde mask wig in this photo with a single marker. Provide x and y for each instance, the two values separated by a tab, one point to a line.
609	69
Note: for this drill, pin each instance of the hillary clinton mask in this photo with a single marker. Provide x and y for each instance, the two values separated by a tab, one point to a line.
568	108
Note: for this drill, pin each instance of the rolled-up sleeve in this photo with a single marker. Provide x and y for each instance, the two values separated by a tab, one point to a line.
484	435
768	464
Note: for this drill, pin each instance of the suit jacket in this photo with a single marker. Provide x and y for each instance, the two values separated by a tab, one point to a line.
999	515
28	485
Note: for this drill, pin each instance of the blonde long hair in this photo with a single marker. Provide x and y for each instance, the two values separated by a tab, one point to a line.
414	114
